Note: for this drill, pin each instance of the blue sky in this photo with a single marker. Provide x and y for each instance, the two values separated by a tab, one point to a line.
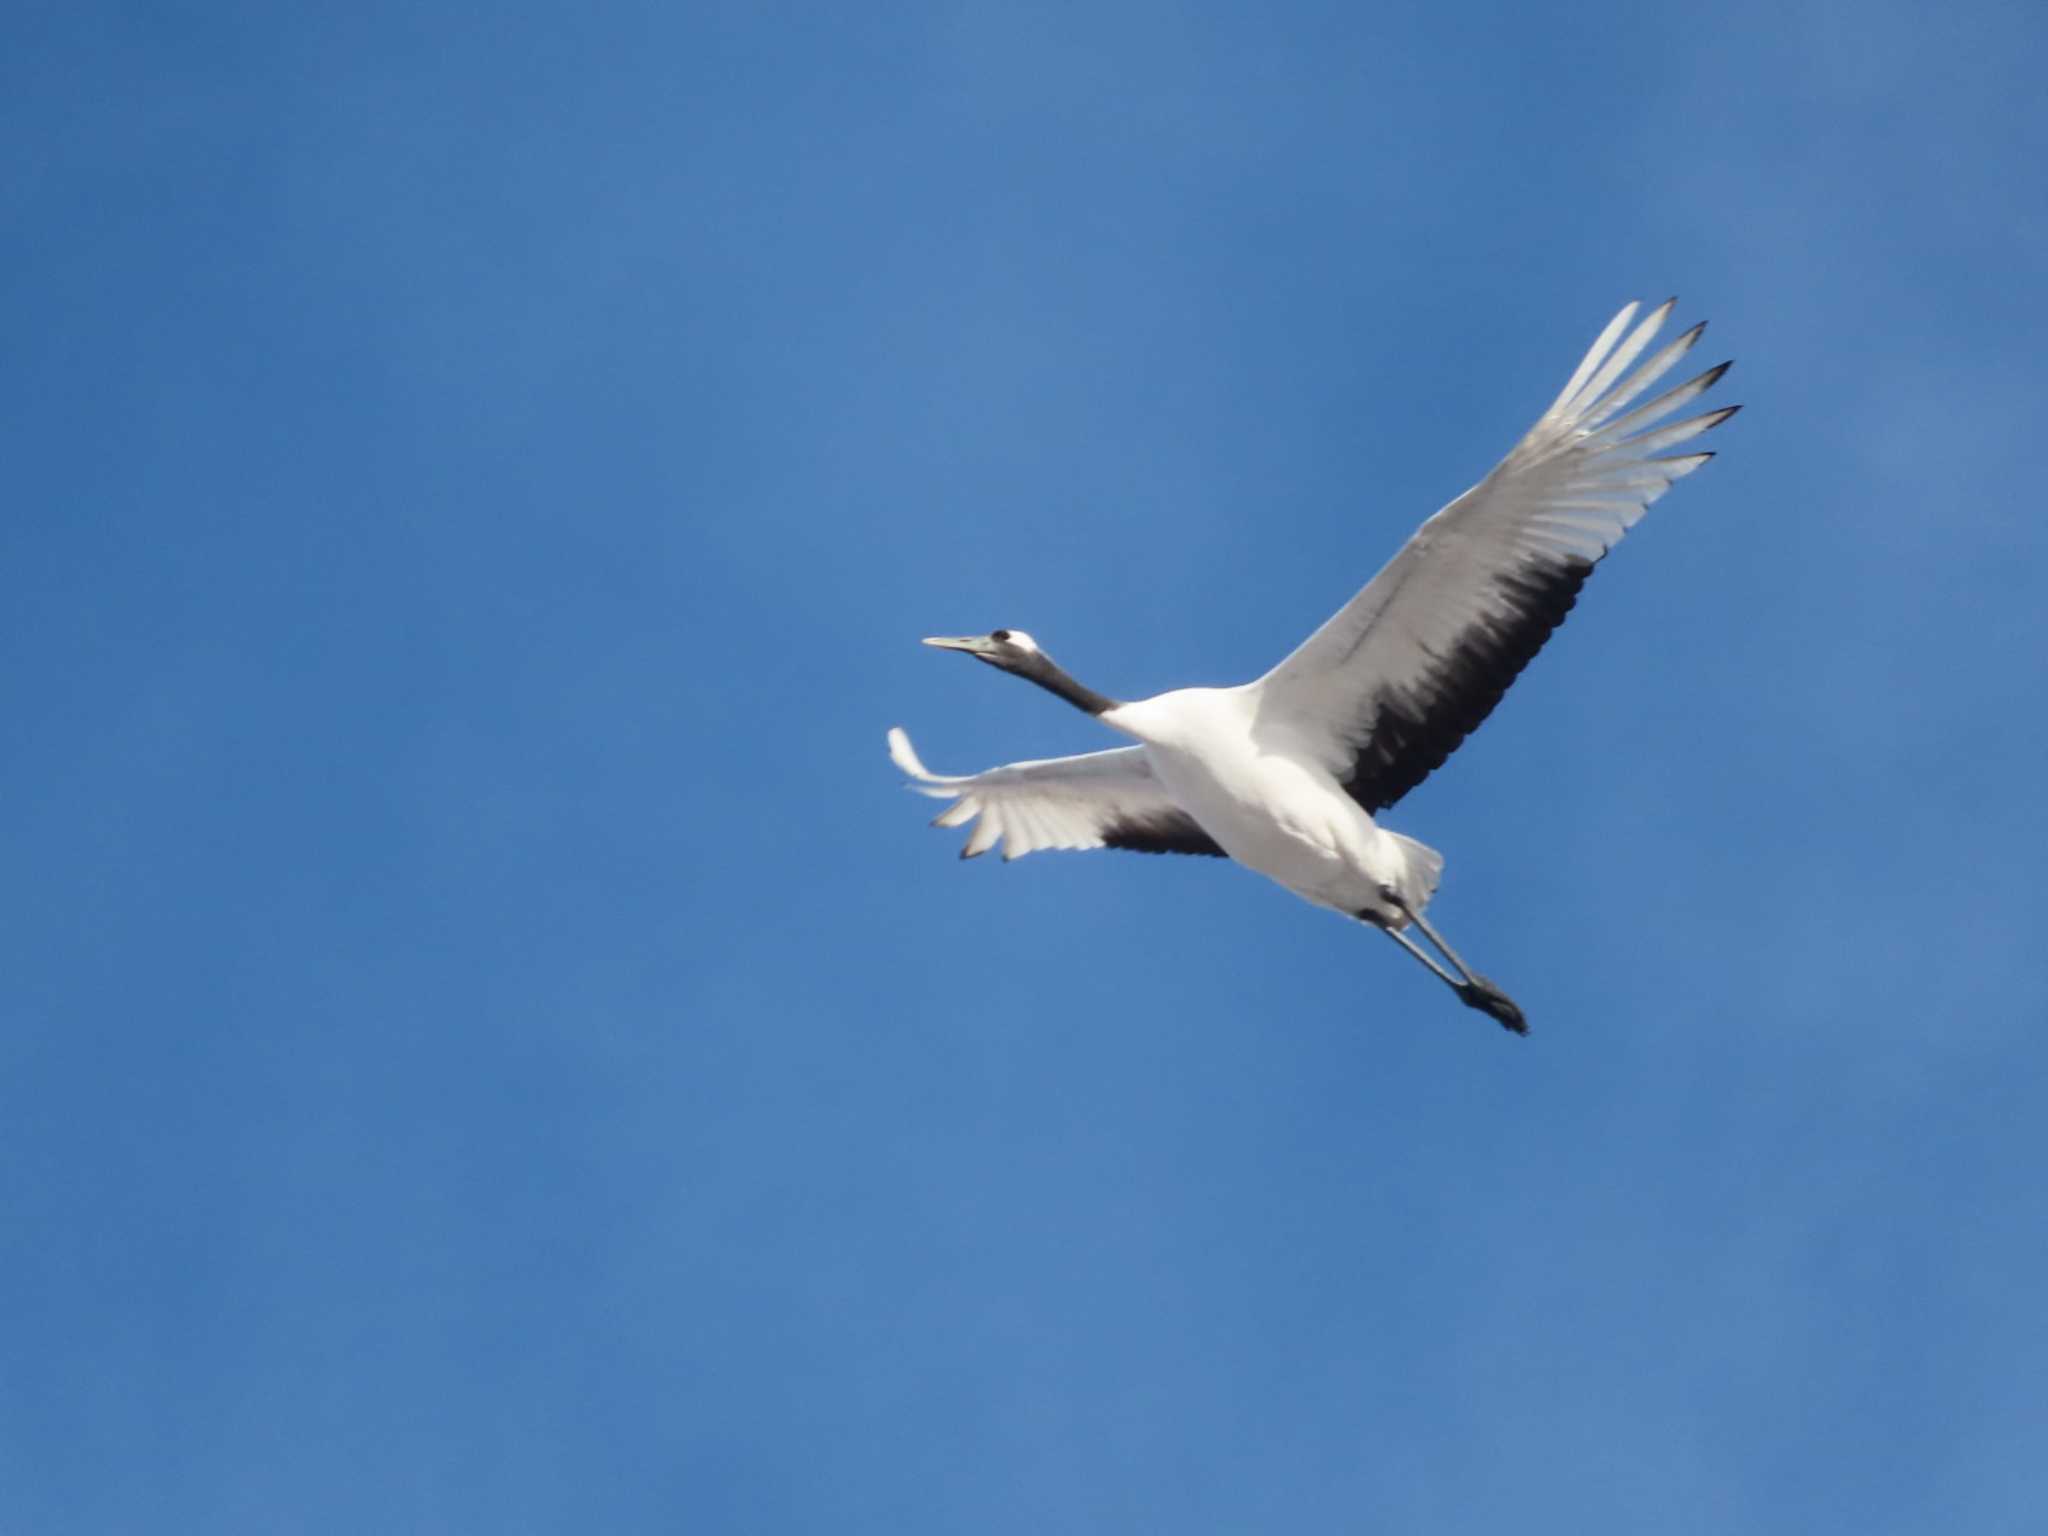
488	1046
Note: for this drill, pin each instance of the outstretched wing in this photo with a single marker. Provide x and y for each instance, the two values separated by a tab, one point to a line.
1389	687
1099	800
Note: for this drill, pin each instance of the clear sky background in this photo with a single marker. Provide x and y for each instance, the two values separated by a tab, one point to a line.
487	1044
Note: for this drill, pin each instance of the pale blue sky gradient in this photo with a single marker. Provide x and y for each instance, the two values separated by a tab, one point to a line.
485	1044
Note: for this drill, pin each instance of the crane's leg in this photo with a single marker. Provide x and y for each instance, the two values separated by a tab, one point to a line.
1473	990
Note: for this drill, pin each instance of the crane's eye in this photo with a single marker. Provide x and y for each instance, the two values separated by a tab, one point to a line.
1001	634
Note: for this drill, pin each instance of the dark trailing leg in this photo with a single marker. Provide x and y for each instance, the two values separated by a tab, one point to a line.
1473	990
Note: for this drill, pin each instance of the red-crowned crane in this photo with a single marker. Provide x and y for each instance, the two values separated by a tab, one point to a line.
1286	774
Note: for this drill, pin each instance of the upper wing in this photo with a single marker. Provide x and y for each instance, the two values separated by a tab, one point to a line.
1099	800
1389	687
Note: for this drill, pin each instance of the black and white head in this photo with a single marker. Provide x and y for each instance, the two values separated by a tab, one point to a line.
1012	650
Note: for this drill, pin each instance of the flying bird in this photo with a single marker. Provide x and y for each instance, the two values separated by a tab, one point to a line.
1288	774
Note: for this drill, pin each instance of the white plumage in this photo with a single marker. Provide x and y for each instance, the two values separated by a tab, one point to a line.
1062	802
1284	774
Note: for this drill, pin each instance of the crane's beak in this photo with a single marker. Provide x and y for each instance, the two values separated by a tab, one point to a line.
974	645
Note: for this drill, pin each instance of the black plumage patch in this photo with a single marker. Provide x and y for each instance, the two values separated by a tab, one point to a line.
1167	832
1410	731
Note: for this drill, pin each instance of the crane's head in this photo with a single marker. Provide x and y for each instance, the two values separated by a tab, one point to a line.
1014	651
1010	649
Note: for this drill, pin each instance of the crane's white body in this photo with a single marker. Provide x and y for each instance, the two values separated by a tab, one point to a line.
1271	806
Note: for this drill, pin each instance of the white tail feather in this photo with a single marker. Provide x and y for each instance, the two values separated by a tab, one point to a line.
1421	867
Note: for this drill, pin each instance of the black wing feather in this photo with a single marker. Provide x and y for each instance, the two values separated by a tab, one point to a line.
1174	833
1411	731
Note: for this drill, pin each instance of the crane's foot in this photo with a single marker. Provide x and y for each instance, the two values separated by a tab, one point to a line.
1488	999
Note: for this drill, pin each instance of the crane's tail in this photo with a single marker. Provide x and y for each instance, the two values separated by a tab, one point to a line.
1421	868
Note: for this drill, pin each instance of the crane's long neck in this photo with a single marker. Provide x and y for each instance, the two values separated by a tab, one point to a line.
1044	671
